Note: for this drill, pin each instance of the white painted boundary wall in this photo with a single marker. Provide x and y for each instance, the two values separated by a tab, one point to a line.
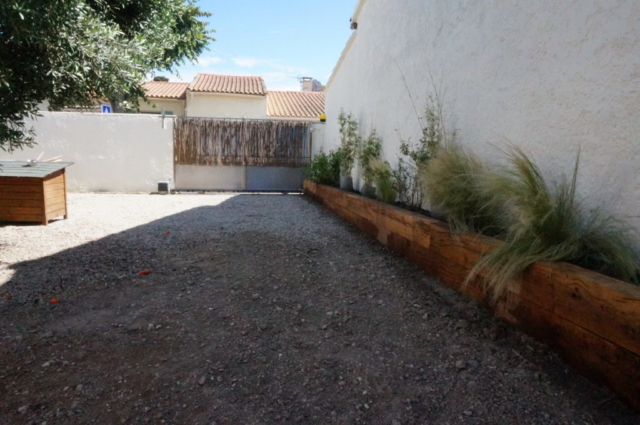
550	76
111	152
318	135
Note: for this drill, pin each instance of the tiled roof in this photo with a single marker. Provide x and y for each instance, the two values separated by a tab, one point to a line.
295	104
210	83
166	90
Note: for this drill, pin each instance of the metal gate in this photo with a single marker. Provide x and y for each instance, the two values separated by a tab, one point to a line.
240	154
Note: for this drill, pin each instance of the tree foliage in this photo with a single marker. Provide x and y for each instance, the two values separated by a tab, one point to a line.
71	52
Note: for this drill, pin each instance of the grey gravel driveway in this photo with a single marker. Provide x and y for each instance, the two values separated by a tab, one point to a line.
254	309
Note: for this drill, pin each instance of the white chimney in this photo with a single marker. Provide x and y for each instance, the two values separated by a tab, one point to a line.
310	84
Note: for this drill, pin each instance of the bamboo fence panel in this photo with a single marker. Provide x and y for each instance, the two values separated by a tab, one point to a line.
206	141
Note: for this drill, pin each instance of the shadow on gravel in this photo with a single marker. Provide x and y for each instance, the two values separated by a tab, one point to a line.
265	309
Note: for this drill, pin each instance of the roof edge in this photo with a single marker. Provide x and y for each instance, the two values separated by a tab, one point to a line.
181	96
294	91
358	10
343	56
354	18
224	93
175	99
263	83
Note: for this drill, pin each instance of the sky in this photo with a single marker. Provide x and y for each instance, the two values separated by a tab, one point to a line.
279	40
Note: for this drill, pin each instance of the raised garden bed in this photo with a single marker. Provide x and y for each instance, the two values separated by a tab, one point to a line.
591	320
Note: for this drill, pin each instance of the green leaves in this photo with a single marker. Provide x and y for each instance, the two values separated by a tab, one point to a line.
73	52
349	142
325	169
384	181
434	134
370	150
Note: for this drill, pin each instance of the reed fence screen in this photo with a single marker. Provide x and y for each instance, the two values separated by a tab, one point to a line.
205	141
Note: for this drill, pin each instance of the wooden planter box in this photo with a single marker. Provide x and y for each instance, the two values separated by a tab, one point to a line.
591	320
33	193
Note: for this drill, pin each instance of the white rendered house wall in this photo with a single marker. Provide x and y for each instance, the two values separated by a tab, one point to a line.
549	77
226	105
170	106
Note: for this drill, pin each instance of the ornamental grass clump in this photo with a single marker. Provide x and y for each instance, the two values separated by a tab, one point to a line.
453	184
547	223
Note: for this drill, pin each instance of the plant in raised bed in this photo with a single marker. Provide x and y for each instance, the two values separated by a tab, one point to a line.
546	222
383	178
370	150
417	155
407	183
349	143
325	169
453	184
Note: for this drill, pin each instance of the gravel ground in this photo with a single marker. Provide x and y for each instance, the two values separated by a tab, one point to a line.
258	309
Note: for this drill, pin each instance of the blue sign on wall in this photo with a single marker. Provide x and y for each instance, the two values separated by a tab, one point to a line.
106	109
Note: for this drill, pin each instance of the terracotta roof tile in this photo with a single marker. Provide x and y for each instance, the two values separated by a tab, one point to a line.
295	104
166	90
210	83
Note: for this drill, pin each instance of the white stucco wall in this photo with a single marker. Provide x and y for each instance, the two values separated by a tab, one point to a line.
43	106
549	76
226	106
318	133
155	106
110	152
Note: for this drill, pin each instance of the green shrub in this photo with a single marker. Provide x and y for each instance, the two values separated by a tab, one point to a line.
383	178
370	150
434	134
452	182
349	142
407	184
325	169
547	223
417	155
